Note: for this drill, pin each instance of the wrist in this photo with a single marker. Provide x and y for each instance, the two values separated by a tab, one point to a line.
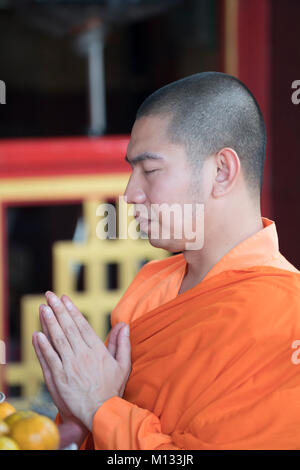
71	431
90	417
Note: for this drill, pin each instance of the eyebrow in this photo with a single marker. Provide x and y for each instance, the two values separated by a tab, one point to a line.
144	156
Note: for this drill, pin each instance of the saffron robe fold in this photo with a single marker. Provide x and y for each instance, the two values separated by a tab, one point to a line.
214	367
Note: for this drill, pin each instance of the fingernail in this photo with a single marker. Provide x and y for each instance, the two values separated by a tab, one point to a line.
67	303
126	330
52	297
48	312
41	337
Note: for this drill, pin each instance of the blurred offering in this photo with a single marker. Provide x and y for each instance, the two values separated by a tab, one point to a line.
26	430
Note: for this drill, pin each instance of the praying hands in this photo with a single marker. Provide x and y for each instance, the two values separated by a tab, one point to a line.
79	371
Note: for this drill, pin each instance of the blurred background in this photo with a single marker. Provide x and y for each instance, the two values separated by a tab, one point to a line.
75	73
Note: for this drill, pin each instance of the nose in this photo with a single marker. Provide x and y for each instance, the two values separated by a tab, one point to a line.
134	193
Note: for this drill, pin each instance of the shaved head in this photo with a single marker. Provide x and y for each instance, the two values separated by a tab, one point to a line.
207	112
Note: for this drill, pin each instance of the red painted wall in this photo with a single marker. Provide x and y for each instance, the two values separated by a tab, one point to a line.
286	126
254	69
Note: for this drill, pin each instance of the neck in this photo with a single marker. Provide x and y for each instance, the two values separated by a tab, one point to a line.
217	242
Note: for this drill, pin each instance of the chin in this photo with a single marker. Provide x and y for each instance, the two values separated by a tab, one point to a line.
174	246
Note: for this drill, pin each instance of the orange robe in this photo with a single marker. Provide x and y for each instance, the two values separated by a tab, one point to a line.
214	367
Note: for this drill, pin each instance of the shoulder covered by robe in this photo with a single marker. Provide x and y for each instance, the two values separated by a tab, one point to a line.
216	367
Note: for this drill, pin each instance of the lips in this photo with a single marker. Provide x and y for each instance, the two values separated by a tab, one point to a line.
141	220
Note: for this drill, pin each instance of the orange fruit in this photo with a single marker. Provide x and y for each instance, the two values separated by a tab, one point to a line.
4	429
35	432
14	417
6	443
6	409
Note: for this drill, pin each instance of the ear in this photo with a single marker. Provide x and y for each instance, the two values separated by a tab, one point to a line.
227	170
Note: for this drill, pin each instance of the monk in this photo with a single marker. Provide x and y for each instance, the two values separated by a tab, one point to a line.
212	356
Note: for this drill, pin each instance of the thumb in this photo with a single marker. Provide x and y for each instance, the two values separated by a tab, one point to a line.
123	353
113	338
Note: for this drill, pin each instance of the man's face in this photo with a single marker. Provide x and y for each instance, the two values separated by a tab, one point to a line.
160	184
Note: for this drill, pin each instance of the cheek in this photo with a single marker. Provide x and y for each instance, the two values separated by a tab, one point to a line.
158	192
169	190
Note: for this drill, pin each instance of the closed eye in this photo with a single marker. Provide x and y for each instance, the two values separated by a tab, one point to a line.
149	171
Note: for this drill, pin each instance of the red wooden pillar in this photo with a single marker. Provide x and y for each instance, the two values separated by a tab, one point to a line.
246	53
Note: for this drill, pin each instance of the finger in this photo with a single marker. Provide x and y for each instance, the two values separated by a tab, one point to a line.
85	329
123	354
38	351
46	371
59	341
43	323
64	319
47	374
50	360
113	338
